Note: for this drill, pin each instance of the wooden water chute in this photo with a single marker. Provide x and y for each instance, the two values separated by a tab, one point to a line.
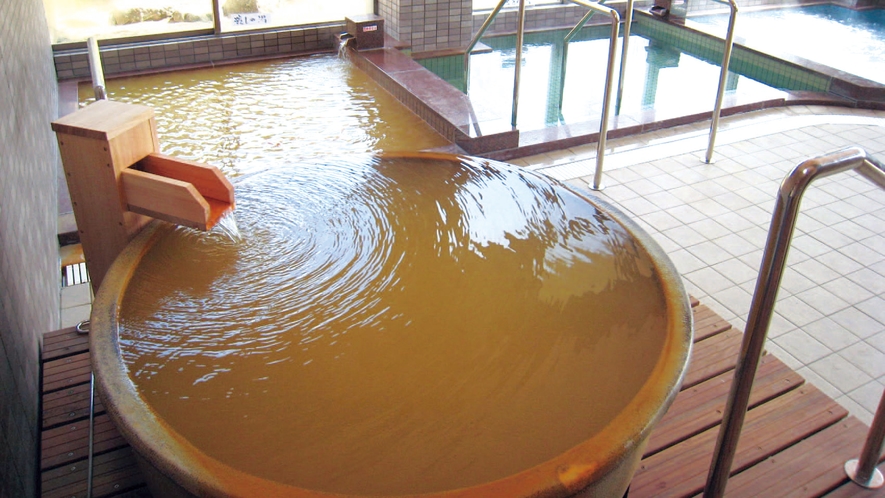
119	181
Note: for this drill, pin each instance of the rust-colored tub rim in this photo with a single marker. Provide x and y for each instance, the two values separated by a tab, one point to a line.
566	474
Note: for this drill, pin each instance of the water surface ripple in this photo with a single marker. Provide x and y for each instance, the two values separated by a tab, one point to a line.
394	325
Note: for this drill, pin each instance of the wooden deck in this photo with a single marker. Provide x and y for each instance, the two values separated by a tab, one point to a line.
794	442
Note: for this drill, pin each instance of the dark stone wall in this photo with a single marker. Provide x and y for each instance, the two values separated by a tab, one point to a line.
29	271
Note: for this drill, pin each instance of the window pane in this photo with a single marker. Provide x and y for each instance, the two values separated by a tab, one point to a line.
254	14
77	20
491	4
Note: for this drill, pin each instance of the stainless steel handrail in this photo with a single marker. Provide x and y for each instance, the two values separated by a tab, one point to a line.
783	222
83	328
98	87
628	22
565	42
609	80
863	470
95	69
520	36
520	31
479	34
723	74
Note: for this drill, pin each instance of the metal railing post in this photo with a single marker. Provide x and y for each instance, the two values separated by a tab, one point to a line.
609	83
95	69
628	22
863	470
783	222
520	35
609	74
723	73
476	38
83	327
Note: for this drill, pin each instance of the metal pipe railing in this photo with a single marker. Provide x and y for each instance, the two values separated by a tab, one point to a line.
628	22
863	470
520	36
723	73
479	34
565	42
96	70
98	87
783	222
609	82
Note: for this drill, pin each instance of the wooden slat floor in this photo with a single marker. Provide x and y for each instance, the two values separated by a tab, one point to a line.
794	442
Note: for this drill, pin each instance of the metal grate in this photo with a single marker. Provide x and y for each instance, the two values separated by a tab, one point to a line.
74	275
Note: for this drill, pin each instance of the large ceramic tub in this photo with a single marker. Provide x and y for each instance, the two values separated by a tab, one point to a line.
395	325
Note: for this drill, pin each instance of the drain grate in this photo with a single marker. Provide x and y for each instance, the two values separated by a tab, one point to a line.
74	275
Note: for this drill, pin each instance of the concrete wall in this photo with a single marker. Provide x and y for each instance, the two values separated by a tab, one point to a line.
29	272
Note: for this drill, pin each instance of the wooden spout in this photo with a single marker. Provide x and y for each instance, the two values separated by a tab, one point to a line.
117	178
178	191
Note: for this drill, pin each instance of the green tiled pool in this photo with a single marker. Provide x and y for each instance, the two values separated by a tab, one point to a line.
670	72
841	38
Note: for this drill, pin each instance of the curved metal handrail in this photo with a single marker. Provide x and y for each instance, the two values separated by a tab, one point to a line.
609	80
783	222
517	67
479	34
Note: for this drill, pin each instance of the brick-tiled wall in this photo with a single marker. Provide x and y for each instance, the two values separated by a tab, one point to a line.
126	58
428	25
29	272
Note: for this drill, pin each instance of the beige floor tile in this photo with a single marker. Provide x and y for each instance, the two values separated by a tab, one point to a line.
76	295
840	372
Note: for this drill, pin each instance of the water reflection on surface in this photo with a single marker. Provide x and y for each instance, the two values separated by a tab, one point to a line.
246	116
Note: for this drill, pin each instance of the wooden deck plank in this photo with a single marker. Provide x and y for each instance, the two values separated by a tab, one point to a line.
707	323
63	445
63	343
814	466
712	357
55	334
681	470
114	473
851	490
791	430
66	372
68	405
700	407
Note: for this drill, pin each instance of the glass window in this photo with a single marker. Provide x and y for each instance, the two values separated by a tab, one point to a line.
256	14
491	4
76	20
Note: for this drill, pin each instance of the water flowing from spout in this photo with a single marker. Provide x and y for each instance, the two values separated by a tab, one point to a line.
227	227
344	42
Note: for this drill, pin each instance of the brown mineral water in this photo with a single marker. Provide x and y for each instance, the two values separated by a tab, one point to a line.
394	325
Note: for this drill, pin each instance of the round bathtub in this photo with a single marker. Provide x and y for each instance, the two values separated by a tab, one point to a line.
419	324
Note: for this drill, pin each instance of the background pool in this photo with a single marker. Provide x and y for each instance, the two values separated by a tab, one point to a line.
844	39
246	116
660	81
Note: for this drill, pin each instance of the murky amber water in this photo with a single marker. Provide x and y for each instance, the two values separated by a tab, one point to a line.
248	116
394	325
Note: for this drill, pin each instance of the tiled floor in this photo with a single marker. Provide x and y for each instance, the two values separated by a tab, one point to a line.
712	219
76	304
